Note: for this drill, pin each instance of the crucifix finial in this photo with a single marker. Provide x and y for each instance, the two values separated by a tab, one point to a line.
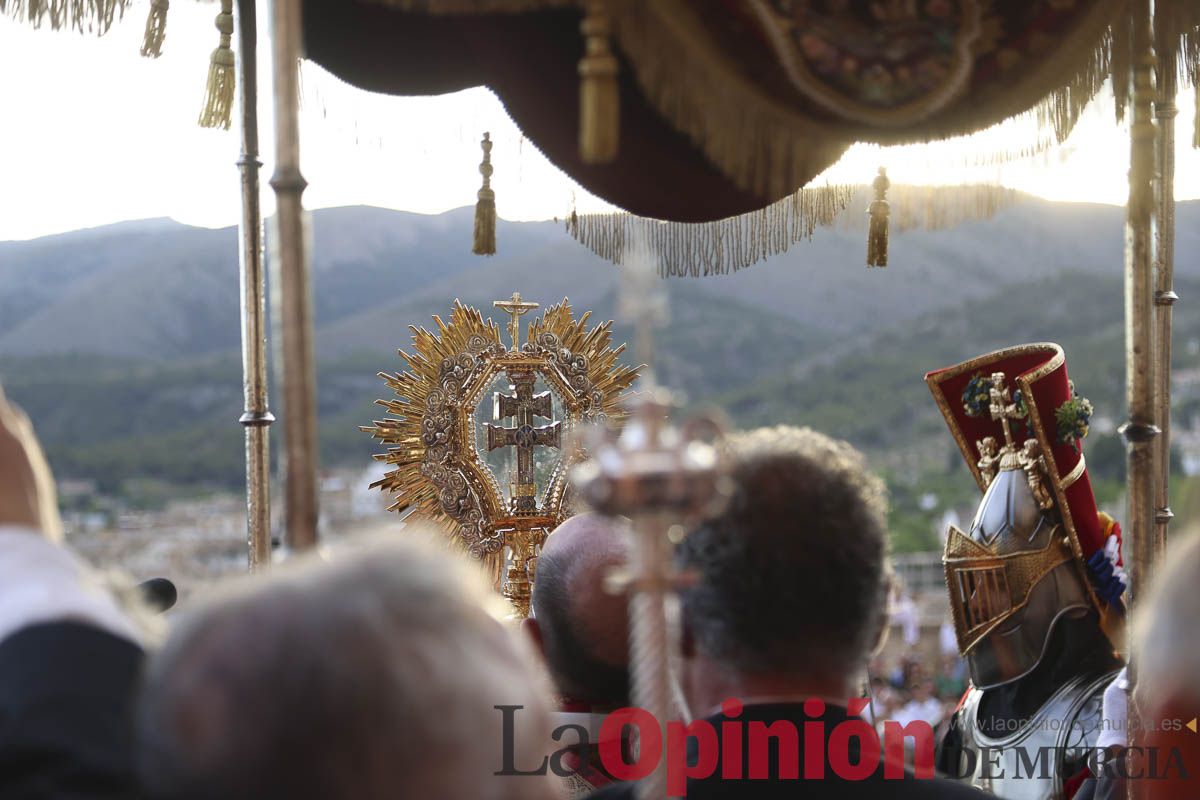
515	306
1003	409
1001	406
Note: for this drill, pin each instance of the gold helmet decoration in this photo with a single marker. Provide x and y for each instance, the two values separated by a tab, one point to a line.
1038	550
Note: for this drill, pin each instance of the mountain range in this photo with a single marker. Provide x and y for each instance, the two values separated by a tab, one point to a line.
123	342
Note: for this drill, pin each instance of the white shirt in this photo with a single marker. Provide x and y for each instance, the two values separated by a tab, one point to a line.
42	582
948	639
905	615
927	711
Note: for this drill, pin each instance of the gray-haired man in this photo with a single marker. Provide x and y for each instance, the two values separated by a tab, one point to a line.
374	676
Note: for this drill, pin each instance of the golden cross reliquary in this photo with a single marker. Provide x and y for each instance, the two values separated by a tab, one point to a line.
477	431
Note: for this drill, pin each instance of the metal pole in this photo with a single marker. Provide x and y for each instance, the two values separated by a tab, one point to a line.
1140	431
1165	112
257	417
650	638
299	381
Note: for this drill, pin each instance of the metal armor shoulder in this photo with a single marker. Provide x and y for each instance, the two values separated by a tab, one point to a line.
1031	761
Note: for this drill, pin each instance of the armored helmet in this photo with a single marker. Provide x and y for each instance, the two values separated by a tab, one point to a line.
1038	551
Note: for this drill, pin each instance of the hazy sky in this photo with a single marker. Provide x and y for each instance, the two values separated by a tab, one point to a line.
92	133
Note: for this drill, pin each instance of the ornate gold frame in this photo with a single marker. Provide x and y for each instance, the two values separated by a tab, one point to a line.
437	469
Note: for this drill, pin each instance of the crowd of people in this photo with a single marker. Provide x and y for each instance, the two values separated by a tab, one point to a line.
913	689
385	669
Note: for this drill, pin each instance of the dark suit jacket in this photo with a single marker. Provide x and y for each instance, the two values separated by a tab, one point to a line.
66	694
831	786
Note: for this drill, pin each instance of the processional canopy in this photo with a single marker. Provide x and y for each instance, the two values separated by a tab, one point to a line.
727	107
477	433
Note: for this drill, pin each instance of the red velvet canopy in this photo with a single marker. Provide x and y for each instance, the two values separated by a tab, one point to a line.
729	105
529	61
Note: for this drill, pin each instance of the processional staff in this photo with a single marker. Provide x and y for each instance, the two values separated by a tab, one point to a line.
661	479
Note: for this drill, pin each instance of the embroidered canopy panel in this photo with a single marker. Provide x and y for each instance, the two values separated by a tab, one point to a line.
728	105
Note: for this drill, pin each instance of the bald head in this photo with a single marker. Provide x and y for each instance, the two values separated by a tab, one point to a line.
584	630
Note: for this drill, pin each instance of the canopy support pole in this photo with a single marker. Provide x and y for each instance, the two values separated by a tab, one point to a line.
1165	112
299	374
257	416
1139	431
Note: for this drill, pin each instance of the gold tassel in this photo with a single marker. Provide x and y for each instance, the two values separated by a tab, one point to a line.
156	29
485	208
599	102
218	98
877	234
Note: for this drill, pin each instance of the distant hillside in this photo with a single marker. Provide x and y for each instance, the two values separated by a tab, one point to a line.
157	290
123	341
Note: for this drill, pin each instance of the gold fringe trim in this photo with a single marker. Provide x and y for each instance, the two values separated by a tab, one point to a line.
156	28
1177	40
1060	110
85	16
997	158
1190	66
694	89
713	248
1062	83
719	248
760	145
222	75
767	148
1121	63
933	208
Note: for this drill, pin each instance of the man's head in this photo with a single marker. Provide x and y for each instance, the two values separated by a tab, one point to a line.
582	629
360	678
921	690
791	574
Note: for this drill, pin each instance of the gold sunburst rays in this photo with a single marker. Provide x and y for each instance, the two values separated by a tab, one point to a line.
430	429
593	361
